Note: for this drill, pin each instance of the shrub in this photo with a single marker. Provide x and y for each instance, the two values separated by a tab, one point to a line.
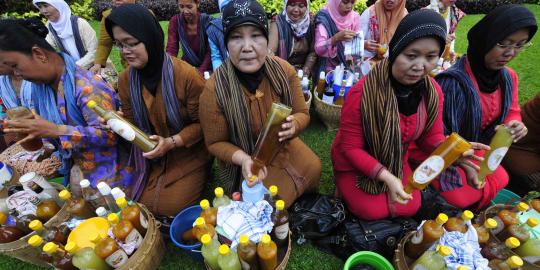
468	6
25	9
273	7
162	9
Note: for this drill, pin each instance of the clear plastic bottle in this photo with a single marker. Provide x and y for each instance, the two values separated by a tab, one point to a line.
430	232
500	143
228	259
201	228
247	251
459	223
134	214
210	251
208	213
272	197
86	258
432	260
221	199
76	206
280	218
108	250
507	217
91	195
124	230
483	231
105	191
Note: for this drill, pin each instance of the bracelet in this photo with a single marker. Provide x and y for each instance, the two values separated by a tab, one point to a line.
173	140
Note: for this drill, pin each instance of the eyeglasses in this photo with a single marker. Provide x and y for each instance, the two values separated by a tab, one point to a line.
123	46
517	48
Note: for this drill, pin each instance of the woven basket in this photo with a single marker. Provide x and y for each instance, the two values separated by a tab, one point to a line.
401	261
47	168
283	257
148	256
491	212
21	250
329	114
308	102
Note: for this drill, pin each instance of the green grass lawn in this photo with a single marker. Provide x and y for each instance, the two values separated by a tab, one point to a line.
316	136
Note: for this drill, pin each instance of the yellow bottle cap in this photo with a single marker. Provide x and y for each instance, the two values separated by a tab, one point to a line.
273	190
244	239
205	204
444	251
35	225
218	192
91	104
35	240
512	242
94	237
467	215
252	178
121	202
522	207
199	221
206	239
532	222
514	262
64	195
280	205
265	239
462	267
3	218
50	248
224	250
490	223
441	219
71	247
113	218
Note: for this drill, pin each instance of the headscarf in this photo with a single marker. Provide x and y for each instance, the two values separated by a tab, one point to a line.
63	25
500	23
244	12
141	24
9	95
300	28
389	20
379	106
351	21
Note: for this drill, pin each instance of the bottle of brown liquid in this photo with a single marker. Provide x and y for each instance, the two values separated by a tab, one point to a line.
50	234
208	213
61	259
341	94
280	218
321	84
507	217
273	196
109	250
124	230
430	232
22	222
134	214
513	262
521	232
247	251
77	207
9	233
20	113
201	228
37	243
493	250
483	231
267	251
535	204
46	210
459	223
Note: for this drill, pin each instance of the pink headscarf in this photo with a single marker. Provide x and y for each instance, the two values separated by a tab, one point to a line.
351	21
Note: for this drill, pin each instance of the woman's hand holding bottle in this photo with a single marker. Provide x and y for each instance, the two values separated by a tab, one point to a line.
288	129
395	187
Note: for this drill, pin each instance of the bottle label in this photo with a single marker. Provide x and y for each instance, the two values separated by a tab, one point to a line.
121	128
134	237
144	221
282	231
117	259
328	99
418	237
496	157
245	265
428	170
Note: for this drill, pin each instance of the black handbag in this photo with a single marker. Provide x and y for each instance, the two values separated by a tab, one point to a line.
314	216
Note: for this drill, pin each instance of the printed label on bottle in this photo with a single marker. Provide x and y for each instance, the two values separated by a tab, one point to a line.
24	202
418	237
328	99
144	221
245	265
428	170
282	231
117	259
134	237
419	267
532	259
496	157
123	129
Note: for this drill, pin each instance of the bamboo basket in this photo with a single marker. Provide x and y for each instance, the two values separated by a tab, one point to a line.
148	256
491	212
47	168
283	257
21	250
401	261
329	114
308	102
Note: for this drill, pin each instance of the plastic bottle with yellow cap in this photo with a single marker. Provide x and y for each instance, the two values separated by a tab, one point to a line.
252	190
61	259
49	234
424	238
108	250
432	259
513	262
521	232
85	258
228	259
280	218
247	252
76	206
124	128
221	199
202	228
9	233
267	252
459	223
272	196
208	213
124	230
507	217
37	243
134	214
483	230
210	251
494	250
530	251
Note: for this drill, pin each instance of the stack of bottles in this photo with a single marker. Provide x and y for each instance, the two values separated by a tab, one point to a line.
336	92
248	254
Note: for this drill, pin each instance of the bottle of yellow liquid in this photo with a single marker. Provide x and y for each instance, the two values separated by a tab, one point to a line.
430	232
134	214
514	262
124	230
500	143
228	259
432	259
124	128
247	251
267	251
459	224
108	250
321	84
340	99
521	231
210	251
208	213
85	258
280	218
446	154
483	231
77	207
221	199
201	228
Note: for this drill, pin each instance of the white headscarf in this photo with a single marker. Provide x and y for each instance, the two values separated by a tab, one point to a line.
63	25
300	28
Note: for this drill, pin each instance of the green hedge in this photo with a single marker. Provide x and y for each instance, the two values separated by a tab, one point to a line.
25	9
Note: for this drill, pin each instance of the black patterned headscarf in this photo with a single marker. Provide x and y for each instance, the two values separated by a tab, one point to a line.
244	12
